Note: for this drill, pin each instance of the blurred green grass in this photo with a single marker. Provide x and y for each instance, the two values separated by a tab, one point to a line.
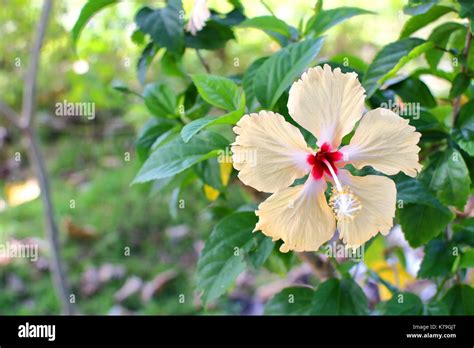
122	216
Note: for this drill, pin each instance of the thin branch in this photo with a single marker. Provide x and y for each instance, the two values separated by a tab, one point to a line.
203	62
440	286
375	277
10	114
29	105
465	53
52	232
29	91
268	8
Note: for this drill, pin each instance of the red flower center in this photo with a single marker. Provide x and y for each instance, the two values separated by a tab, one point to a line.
317	161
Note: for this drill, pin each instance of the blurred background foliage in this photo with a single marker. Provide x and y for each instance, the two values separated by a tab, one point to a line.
88	162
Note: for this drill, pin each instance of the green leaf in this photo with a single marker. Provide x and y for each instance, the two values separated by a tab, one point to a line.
169	185
217	31
339	297
218	91
463	132
232	18
176	156
179	184
421	216
436	308
209	172
291	301
145	59
333	297
411	190
347	63
248	82
163	25
422	222
283	40
279	263
384	97
417	7
326	19
404	303
464	232
265	23
438	260
195	126
87	12
443	113
456	47
467	10
160	100
413	90
138	38
440	37
318	6
260	252
467	259
460	83
213	36
165	137
417	22
460	300
224	256
426	123
125	90
171	65
194	105
344	267
450	179
173	202
148	135
390	60
279	71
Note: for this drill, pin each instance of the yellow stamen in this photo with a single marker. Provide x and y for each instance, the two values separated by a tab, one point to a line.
343	202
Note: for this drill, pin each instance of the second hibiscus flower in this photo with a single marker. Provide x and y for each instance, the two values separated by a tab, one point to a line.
270	154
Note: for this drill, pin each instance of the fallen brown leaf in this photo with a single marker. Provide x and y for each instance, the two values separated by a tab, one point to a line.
152	287
79	232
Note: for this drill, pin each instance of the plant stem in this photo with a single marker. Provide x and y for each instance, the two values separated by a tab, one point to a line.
52	232
28	111
440	287
29	88
203	62
10	114
465	54
268	8
392	288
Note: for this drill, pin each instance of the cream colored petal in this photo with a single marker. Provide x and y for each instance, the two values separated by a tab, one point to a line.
327	103
199	16
269	152
377	195
386	142
300	216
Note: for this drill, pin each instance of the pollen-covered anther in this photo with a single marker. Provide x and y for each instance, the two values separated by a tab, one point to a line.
344	203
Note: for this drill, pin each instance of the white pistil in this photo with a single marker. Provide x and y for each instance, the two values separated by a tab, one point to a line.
334	176
343	202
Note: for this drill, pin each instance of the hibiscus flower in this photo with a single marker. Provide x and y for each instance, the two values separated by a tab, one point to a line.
199	16
270	154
